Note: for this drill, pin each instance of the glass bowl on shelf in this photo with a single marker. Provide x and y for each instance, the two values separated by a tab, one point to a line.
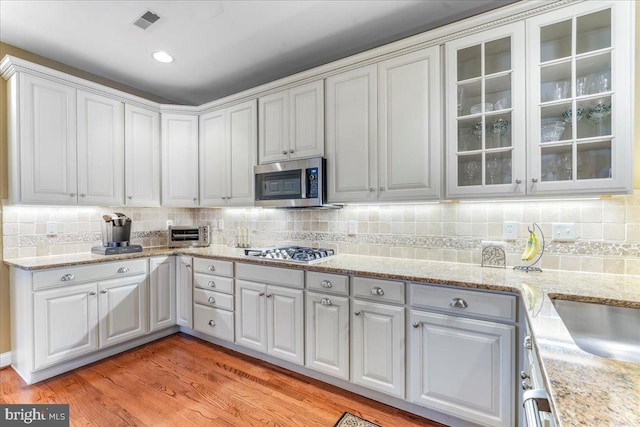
477	109
552	131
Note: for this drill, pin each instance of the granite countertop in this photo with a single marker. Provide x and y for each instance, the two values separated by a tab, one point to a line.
585	390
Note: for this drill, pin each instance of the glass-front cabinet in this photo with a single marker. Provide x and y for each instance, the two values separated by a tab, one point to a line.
486	111
580	106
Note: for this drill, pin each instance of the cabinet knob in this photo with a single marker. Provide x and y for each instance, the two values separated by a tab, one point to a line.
518	181
291	151
212	323
325	301
261	294
534	180
356	313
377	291
458	303
104	291
211	300
284	151
527	342
326	284
195	200
83	195
526	385
269	295
381	189
212	284
211	267
371	189
524	375
130	197
416	324
67	278
92	293
123	270
188	266
72	195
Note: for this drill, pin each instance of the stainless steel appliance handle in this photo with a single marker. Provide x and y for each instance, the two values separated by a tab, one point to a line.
534	402
303	183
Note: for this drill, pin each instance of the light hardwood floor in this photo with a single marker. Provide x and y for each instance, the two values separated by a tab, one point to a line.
181	381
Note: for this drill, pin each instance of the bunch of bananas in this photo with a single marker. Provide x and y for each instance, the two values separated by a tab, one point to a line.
532	248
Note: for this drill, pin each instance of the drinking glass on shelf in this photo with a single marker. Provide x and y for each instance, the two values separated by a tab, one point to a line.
493	168
603	80
478	130
597	114
499	128
551	168
560	90
567	165
470	170
460	96
581	86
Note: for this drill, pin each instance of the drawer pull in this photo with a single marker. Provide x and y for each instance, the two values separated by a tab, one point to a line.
261	294
212	284
325	301
377	291
212	267
123	270
92	293
416	324
212	323
211	300
458	303
67	277
326	284
269	295
104	291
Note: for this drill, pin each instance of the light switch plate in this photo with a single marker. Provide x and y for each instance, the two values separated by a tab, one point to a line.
563	232
52	228
510	230
169	223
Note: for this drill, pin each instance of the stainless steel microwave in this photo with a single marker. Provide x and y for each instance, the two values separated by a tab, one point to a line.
291	184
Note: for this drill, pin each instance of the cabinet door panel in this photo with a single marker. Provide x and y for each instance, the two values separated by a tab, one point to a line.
65	322
142	156
251	328
179	160
352	135
184	292
327	337
100	150
243	143
306	121
378	347
123	309
47	143
162	293
409	126
463	367
285	324
214	152
273	134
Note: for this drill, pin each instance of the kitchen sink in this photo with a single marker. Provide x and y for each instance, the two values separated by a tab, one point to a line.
604	330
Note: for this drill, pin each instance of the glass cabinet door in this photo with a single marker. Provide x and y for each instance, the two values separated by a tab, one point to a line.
578	101
485	124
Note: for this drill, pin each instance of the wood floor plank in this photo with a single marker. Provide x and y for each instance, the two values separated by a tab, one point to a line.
183	381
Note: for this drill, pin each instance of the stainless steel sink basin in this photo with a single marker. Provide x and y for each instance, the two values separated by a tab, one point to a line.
603	330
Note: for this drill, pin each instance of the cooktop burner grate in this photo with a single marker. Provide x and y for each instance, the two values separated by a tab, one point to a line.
292	253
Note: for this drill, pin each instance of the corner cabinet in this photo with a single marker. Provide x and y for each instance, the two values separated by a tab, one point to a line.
142	156
228	147
179	160
291	123
383	130
485	106
580	63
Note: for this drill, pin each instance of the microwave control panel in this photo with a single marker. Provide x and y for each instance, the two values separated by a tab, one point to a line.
312	183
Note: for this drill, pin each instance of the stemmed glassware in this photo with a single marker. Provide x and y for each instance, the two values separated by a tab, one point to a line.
498	128
470	170
552	168
567	165
597	114
493	168
478	130
567	115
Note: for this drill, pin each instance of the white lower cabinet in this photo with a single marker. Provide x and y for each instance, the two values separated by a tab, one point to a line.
184	292
327	334
162	293
378	347
123	309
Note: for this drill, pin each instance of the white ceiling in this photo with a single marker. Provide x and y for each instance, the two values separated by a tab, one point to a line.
220	47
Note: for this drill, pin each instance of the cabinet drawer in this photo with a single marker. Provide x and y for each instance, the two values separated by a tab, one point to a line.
88	273
464	302
213	299
276	275
378	290
214	283
325	282
213	266
213	321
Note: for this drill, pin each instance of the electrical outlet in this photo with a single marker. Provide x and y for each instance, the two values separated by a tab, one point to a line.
510	230
353	227
169	223
563	232
221	224
52	228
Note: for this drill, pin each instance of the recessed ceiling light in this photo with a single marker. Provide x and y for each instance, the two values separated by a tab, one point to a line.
163	57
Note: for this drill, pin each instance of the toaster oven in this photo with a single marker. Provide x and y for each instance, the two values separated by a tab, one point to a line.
188	236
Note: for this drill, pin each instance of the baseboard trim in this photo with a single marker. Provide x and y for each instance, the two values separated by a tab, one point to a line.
5	359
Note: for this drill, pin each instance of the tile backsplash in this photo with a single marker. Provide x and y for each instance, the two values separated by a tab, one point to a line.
608	229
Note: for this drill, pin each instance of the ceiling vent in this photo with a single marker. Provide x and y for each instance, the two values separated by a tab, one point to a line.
146	20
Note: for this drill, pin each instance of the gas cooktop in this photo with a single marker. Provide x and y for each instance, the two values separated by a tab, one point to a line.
303	255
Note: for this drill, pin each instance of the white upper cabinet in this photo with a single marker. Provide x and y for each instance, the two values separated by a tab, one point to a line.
100	150
42	141
291	123
485	104
142	156
383	130
179	160
580	120
228	146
